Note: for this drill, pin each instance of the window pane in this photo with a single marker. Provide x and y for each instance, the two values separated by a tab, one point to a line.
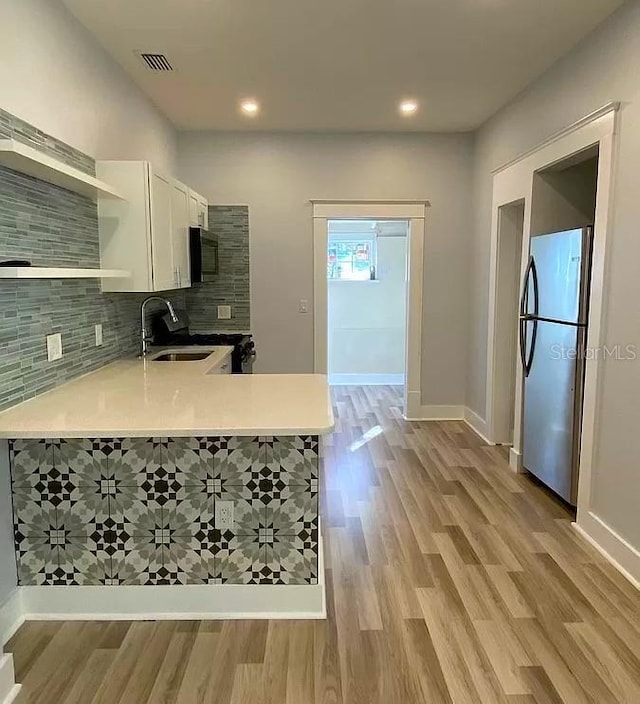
350	261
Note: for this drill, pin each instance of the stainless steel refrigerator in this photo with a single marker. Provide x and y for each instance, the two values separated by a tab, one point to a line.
553	331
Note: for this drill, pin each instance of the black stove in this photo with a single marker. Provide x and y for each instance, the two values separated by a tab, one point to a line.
244	348
166	332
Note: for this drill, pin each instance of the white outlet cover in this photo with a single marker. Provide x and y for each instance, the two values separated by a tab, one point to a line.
304	305
54	347
98	330
224	312
224	515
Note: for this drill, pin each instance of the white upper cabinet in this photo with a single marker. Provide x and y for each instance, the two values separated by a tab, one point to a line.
198	211
180	225
163	270
148	233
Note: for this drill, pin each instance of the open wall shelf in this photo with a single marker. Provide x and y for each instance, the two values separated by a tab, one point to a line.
42	272
27	160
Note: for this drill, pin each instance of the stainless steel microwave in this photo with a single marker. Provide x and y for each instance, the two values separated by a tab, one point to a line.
203	250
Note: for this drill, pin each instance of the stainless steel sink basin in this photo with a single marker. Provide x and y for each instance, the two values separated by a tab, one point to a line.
181	356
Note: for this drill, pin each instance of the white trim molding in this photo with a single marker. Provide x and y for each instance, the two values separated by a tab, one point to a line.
11	616
9	690
412	211
189	602
515	461
477	424
613	547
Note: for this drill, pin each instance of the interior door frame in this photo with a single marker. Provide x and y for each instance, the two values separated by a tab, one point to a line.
414	212
515	181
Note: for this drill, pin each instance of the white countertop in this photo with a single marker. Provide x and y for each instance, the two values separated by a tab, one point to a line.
135	398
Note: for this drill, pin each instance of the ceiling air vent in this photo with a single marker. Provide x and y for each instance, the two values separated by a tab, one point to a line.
156	62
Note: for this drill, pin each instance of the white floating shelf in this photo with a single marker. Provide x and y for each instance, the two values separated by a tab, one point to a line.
45	272
27	160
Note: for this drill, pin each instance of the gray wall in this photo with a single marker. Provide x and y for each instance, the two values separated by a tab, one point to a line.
603	67
277	174
231	224
55	74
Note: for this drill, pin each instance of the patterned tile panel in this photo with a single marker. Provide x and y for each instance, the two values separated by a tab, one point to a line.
142	510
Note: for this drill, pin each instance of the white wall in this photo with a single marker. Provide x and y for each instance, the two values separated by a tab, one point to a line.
602	68
55	75
367	319
277	174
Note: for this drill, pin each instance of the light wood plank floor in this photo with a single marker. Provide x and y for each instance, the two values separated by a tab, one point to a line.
450	579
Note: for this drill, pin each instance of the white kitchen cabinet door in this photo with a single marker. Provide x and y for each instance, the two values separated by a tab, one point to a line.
147	232
193	209
198	211
164	269
203	213
180	226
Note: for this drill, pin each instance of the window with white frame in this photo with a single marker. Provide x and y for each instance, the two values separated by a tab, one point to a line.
352	259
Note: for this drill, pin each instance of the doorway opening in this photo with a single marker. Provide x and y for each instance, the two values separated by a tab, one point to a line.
413	214
367	301
509	257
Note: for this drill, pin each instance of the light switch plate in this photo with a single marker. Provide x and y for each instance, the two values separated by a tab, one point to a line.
54	347
224	312
303	306
98	329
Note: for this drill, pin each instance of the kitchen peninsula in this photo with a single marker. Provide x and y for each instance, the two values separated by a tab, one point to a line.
146	474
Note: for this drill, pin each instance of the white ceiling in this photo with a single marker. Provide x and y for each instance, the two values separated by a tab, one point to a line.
340	65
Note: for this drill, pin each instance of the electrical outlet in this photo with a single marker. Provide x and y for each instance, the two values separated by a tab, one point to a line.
98	329
224	514
54	347
224	312
303	306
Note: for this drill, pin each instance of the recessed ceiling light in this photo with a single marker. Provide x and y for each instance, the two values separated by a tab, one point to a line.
250	107
408	107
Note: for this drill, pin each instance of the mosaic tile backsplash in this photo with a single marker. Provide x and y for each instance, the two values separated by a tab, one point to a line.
142	510
50	226
231	224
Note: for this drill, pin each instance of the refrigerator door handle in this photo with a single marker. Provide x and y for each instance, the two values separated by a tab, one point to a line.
534	335
523	345
530	272
536	310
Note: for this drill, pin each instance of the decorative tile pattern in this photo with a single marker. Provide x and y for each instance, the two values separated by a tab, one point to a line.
142	510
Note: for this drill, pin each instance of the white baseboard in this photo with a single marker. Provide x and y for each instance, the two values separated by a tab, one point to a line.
189	602
366	379
8	688
477	424
11	615
515	461
435	413
620	553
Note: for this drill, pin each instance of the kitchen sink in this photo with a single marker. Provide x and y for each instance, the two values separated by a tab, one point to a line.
181	356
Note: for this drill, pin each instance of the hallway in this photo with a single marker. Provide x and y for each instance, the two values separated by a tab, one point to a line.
449	579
